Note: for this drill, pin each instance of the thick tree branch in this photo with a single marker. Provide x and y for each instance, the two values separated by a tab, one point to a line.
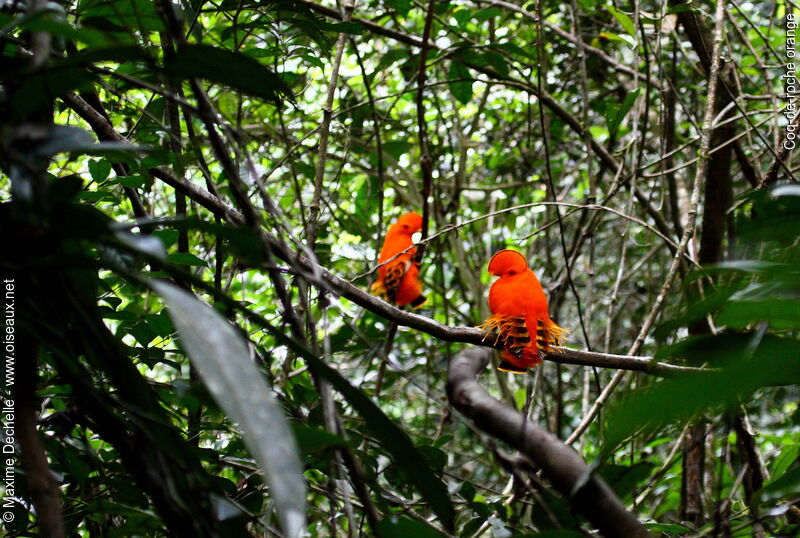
559	463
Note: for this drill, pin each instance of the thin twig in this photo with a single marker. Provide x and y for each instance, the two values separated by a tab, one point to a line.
324	131
426	161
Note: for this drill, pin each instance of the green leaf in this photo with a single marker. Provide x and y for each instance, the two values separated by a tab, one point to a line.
611	36
779	313
160	324
222	359
66	188
749	362
497	61
116	54
462	16
167	237
401	6
788	456
786	485
185	258
395	440
616	112
41	22
484	57
488	13
70	139
315	439
405	527
99	170
145	244
472	526
624	479
397	148
390	58
232	69
624	19
461	89
122	14
513	48
671	529
134	182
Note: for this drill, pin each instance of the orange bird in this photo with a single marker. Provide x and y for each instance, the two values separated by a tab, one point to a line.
398	281
519	308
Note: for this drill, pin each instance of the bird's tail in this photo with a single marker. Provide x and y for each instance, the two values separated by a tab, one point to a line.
378	289
529	358
419	302
549	334
520	353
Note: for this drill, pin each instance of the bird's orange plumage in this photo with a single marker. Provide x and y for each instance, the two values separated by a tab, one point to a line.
398	281
519	313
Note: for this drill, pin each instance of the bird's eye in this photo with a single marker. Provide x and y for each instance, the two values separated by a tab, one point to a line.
512	272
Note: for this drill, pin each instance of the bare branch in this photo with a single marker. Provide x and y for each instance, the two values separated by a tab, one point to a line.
560	464
324	131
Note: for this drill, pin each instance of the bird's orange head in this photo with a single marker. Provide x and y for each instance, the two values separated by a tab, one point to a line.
507	263
409	223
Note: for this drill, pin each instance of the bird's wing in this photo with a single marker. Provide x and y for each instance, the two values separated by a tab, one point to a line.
394	276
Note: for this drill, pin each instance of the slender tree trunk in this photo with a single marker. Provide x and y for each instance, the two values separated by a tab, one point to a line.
717	199
693	476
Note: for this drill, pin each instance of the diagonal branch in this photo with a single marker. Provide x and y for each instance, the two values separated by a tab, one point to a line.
560	464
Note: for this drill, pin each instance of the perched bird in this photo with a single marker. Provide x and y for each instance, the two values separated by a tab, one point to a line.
398	281
519	310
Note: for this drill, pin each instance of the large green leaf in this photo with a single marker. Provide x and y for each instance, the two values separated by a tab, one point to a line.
616	112
395	440
784	486
624	479
624	19
460	81
37	91
117	15
233	69
223	361
787	457
749	361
